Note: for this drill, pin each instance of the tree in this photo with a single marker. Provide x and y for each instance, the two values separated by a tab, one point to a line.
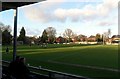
22	36
0	33
6	34
2	27
98	37
28	40
105	37
5	27
68	34
51	33
44	37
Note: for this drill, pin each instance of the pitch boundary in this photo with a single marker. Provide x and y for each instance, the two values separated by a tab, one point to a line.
85	66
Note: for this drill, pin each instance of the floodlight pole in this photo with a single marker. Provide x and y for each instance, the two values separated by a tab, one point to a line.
15	34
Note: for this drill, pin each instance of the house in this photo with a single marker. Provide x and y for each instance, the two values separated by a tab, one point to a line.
60	39
91	39
82	38
75	39
115	39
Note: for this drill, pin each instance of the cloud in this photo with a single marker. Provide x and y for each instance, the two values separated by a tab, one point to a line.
60	14
105	24
107	6
50	4
32	31
37	14
89	12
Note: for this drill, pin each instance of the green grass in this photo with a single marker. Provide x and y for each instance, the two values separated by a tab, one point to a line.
90	55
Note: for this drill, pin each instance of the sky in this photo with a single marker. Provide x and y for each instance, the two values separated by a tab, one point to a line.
87	17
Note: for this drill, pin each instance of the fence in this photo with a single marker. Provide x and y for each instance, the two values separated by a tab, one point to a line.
49	73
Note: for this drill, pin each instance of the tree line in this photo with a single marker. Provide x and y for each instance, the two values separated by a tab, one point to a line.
48	36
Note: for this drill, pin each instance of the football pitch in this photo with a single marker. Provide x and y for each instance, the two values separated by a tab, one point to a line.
84	60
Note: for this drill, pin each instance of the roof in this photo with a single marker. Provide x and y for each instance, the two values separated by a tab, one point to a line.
116	36
92	36
13	4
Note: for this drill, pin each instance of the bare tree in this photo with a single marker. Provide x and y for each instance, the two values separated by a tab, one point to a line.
5	32
68	34
5	27
105	37
51	32
1	25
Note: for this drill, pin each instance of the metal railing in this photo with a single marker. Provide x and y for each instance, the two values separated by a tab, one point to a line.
49	73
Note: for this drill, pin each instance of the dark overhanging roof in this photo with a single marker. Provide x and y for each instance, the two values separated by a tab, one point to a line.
12	4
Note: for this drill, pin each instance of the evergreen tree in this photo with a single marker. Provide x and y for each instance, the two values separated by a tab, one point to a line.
44	37
22	36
